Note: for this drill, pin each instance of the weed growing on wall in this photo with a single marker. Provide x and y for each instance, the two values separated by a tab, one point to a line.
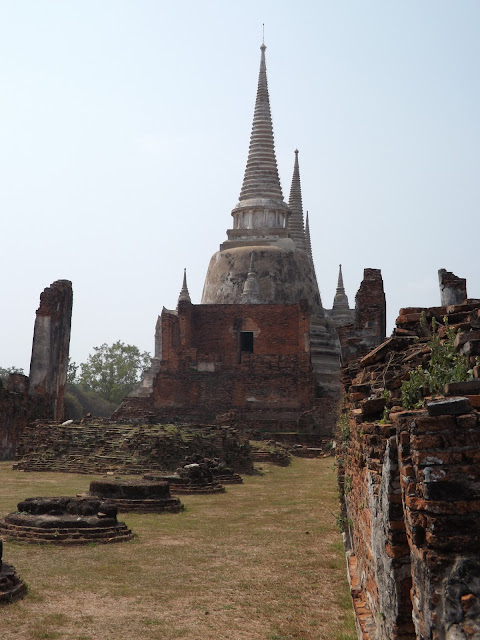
446	365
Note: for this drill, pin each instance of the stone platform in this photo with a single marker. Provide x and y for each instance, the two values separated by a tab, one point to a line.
64	521
232	478
100	447
181	486
147	495
11	586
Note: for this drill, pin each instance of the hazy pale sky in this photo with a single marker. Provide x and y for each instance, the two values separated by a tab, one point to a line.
124	132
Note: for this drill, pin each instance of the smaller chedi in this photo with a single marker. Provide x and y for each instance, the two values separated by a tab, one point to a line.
194	475
64	521
11	586
137	495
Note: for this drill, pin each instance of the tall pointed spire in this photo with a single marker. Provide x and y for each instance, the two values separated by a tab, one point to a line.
340	287
261	174
295	222
308	244
261	214
184	295
340	300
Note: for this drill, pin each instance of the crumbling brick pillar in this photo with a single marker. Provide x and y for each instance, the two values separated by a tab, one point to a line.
51	342
369	328
370	307
453	290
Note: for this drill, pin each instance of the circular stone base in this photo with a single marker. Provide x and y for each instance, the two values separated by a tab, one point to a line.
183	485
172	505
63	530
148	496
231	478
11	586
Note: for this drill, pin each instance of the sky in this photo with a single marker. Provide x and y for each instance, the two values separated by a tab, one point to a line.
124	132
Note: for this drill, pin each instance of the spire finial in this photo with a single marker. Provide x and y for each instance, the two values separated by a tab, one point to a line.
340	300
261	174
184	295
263	34
340	287
295	222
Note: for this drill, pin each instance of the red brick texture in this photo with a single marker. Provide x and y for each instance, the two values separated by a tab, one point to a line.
204	372
410	485
369	328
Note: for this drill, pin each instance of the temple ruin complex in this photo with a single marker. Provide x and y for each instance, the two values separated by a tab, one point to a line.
260	347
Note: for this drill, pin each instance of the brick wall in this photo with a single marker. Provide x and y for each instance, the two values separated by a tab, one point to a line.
369	327
50	348
204	373
92	446
410	485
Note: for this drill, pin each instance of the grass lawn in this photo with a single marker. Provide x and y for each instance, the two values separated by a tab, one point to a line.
263	561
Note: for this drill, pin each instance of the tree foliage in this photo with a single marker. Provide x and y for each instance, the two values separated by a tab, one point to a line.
113	371
4	373
79	402
72	370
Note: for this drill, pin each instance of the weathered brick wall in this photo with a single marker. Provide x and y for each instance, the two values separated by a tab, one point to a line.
204	373
374	522
410	483
17	409
440	478
453	290
369	327
102	446
50	348
14	416
277	329
42	394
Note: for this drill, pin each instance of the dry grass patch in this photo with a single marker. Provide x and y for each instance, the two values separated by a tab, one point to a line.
263	561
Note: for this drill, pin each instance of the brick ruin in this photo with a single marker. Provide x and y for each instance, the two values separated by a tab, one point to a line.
249	361
41	395
368	329
12	587
251	366
261	351
51	342
145	496
103	446
410	485
64	521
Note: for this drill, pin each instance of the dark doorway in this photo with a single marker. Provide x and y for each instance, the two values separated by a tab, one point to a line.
246	341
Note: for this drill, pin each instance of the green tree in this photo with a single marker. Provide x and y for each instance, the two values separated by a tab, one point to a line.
72	370
4	373
113	370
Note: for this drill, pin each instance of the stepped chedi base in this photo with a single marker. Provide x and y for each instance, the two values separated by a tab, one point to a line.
64	521
12	588
146	496
195	475
183	485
